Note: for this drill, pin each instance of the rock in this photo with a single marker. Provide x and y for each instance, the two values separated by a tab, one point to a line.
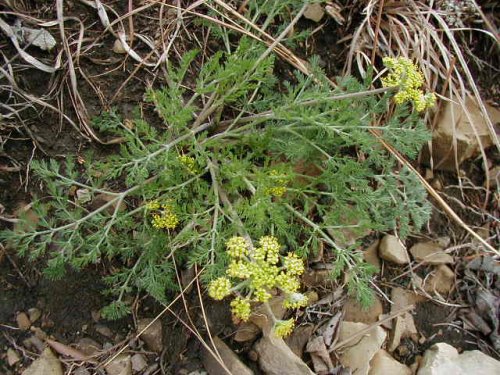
392	250
383	364
118	47
46	364
34	343
354	312
23	322
87	346
441	281
81	371
276	358
230	359
314	12
404	325
454	126
371	255
397	332
121	365
34	314
248	331
359	352
444	359
298	339
103	330
153	336
12	357
430	253
139	362
334	11
39	333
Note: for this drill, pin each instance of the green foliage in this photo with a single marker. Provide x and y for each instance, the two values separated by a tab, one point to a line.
237	175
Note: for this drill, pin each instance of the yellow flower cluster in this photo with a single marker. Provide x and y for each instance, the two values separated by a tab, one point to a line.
240	307
280	184
295	301
403	73
165	218
259	272
188	162
237	247
283	328
219	288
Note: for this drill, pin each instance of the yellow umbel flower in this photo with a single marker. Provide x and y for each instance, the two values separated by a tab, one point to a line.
219	288
261	295
257	272
271	247
293	264
283	328
287	283
188	162
166	218
237	247
240	307
405	75
153	205
238	269
295	301
280	184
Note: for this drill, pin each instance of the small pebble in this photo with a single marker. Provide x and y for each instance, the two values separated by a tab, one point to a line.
34	314
12	357
23	322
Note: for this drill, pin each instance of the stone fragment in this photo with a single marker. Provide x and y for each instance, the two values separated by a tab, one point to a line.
392	250
139	362
81	371
229	358
382	363
404	325
121	365
34	343
314	12
359	352
441	281
46	364
430	253
103	330
34	314
87	346
455	127
153	336
442	359
118	47
354	312
39	333
371	254
23	322
298	339
12	357
276	358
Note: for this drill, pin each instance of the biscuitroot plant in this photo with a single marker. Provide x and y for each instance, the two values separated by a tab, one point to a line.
254	272
291	164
